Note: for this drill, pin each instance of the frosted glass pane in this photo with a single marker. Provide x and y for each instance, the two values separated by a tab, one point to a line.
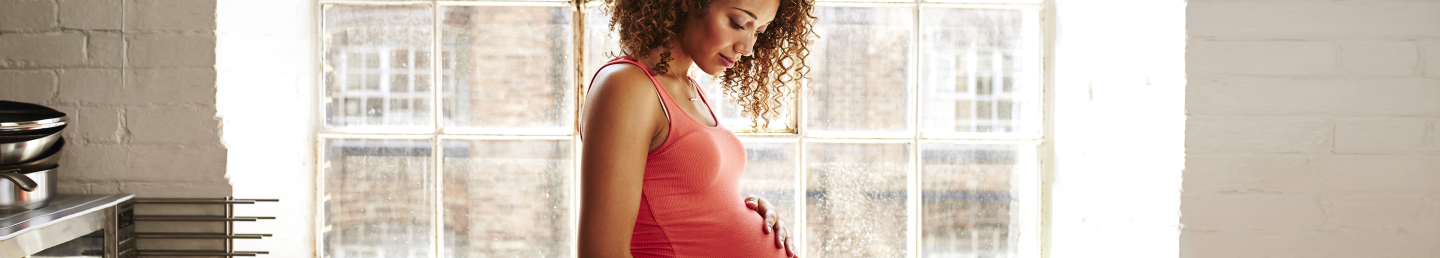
862	69
507	198
770	174
375	65
980	72
856	200
379	198
509	68
969	199
601	44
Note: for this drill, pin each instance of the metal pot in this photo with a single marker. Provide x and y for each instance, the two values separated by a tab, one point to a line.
15	199
19	148
31	184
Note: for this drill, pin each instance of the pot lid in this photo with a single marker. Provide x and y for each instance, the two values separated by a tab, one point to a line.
20	116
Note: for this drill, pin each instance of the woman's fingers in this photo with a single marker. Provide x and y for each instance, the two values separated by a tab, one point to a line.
784	234
751	203
769	221
779	240
767	213
773	224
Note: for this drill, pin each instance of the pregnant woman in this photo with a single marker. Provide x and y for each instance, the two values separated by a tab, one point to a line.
659	174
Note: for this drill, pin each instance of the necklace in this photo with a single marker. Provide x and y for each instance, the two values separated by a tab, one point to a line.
693	86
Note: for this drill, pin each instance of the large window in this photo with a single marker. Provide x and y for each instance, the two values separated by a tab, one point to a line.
918	136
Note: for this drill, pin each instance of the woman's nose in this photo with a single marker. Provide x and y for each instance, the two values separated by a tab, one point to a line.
746	46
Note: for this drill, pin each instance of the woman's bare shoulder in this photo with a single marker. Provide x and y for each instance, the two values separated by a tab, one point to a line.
623	94
621	79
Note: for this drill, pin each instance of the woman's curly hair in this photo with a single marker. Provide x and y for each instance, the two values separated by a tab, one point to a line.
758	82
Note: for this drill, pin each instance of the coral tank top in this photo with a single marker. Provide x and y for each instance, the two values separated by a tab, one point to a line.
690	203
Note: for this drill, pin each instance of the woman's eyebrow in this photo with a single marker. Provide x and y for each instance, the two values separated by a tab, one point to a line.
752	15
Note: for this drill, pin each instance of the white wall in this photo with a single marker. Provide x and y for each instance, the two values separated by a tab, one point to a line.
1312	129
137	79
1119	128
265	88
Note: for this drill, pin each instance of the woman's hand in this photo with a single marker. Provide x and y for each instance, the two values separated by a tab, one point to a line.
772	223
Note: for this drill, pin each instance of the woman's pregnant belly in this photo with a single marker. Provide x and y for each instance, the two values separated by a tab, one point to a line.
720	230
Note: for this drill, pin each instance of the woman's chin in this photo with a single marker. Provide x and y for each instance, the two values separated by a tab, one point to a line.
712	70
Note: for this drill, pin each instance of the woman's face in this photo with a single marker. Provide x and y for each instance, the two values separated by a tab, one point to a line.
716	39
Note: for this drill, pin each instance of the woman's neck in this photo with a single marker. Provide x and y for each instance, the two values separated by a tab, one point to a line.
679	62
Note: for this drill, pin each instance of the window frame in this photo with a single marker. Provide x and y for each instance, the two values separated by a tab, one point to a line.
796	132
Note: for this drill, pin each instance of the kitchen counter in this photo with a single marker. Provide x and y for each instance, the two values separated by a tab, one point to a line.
67	217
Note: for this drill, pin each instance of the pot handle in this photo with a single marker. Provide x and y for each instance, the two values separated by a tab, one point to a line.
20	180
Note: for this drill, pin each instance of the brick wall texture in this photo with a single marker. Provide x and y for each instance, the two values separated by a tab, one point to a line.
137	78
1313	129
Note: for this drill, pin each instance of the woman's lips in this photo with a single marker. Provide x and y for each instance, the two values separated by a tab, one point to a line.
726	61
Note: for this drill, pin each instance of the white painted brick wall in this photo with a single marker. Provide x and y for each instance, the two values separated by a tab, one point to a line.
50	49
1380	58
1338	97
1430	58
107	49
27	15
1262	58
1275	211
31	84
1376	210
1382	135
90	14
1312	129
137	78
1311	20
170	15
171	50
1215	133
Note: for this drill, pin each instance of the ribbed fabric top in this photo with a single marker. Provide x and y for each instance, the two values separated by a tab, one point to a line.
690	203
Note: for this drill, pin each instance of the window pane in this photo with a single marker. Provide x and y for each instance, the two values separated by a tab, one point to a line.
601	44
770	174
862	69
980	72
507	198
856	197
513	68
969	196
370	51
378	198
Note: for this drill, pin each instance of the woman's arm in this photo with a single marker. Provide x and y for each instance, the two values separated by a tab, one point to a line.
617	123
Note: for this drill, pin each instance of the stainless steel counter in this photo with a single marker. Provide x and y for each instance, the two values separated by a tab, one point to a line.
67	217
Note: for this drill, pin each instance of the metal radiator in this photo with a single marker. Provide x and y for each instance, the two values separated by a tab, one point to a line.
198	227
